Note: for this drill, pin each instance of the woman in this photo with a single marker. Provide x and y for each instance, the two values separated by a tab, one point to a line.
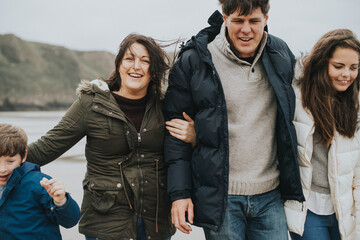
327	126
125	193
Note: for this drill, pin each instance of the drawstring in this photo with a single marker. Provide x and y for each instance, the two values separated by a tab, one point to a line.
157	193
110	124
123	182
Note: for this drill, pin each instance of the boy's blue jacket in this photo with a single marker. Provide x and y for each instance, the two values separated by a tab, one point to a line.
27	211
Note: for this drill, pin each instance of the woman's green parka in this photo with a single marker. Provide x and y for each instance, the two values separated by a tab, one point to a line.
126	173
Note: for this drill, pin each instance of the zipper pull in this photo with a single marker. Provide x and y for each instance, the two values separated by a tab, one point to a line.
139	137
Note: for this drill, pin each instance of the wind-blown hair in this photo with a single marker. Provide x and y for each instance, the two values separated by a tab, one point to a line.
245	6
13	140
330	109
159	64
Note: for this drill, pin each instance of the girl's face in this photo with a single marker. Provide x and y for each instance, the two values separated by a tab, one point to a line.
134	72
343	68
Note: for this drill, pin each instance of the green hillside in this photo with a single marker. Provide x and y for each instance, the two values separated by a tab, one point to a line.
36	76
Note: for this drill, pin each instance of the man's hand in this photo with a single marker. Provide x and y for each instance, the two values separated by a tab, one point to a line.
178	210
55	189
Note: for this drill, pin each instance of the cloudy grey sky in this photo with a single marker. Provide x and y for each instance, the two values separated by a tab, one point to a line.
101	25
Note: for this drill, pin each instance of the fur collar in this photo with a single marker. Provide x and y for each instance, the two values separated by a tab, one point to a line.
88	87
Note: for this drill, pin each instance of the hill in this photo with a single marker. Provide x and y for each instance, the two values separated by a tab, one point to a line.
37	76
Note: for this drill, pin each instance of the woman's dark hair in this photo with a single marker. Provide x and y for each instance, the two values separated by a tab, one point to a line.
245	6
330	109
159	64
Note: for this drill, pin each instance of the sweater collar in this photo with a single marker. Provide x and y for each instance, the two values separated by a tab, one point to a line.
223	45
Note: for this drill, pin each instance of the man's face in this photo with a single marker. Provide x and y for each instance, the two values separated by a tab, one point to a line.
245	32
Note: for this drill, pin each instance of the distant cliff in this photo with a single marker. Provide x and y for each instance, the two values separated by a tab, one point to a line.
37	76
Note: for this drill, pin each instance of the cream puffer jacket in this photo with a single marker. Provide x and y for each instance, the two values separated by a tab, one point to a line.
343	174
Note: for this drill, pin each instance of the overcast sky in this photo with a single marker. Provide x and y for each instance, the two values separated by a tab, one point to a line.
102	24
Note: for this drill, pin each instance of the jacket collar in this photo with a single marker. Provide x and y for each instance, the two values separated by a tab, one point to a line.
19	172
104	102
205	36
16	176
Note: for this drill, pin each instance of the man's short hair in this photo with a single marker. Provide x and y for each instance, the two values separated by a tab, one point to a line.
13	140
245	6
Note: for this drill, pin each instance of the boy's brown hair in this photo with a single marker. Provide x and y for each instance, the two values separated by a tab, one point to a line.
13	140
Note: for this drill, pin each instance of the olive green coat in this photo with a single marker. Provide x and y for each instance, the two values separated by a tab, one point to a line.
126	173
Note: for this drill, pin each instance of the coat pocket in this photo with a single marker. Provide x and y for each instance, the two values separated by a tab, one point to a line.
102	201
102	198
295	214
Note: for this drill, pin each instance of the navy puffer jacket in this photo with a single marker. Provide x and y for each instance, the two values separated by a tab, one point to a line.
195	88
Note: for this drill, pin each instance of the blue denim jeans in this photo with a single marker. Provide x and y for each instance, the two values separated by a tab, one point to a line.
319	227
255	217
141	234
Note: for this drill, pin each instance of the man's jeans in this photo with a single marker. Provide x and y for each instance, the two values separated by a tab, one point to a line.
255	217
141	234
319	227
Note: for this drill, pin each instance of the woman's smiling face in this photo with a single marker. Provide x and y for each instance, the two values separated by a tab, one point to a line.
135	72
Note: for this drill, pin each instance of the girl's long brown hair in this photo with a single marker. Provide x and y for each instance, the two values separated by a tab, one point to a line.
330	109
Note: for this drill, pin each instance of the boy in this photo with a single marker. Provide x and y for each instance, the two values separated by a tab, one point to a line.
31	206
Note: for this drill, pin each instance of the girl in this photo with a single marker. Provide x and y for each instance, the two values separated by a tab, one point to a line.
327	123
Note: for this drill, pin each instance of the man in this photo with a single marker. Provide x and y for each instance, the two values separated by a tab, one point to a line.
234	80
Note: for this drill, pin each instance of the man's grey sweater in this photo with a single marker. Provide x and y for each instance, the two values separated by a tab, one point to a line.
251	108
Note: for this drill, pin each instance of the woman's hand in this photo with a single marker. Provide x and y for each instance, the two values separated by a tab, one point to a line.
183	130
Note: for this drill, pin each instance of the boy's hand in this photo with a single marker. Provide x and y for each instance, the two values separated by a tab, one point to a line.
55	189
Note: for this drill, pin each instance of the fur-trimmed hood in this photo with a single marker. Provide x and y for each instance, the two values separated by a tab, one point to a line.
88	87
298	70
